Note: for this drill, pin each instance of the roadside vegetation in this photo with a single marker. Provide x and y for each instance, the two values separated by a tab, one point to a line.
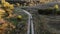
12	21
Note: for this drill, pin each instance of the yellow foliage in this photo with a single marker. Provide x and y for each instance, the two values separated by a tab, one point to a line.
18	4
12	25
31	4
56	6
1	12
19	16
0	5
6	4
4	26
11	6
3	1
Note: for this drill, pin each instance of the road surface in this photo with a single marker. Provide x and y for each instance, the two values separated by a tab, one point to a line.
30	23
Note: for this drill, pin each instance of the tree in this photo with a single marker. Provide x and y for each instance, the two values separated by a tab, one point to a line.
8	7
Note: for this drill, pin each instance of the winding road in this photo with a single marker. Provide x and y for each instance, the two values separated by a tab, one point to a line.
30	23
